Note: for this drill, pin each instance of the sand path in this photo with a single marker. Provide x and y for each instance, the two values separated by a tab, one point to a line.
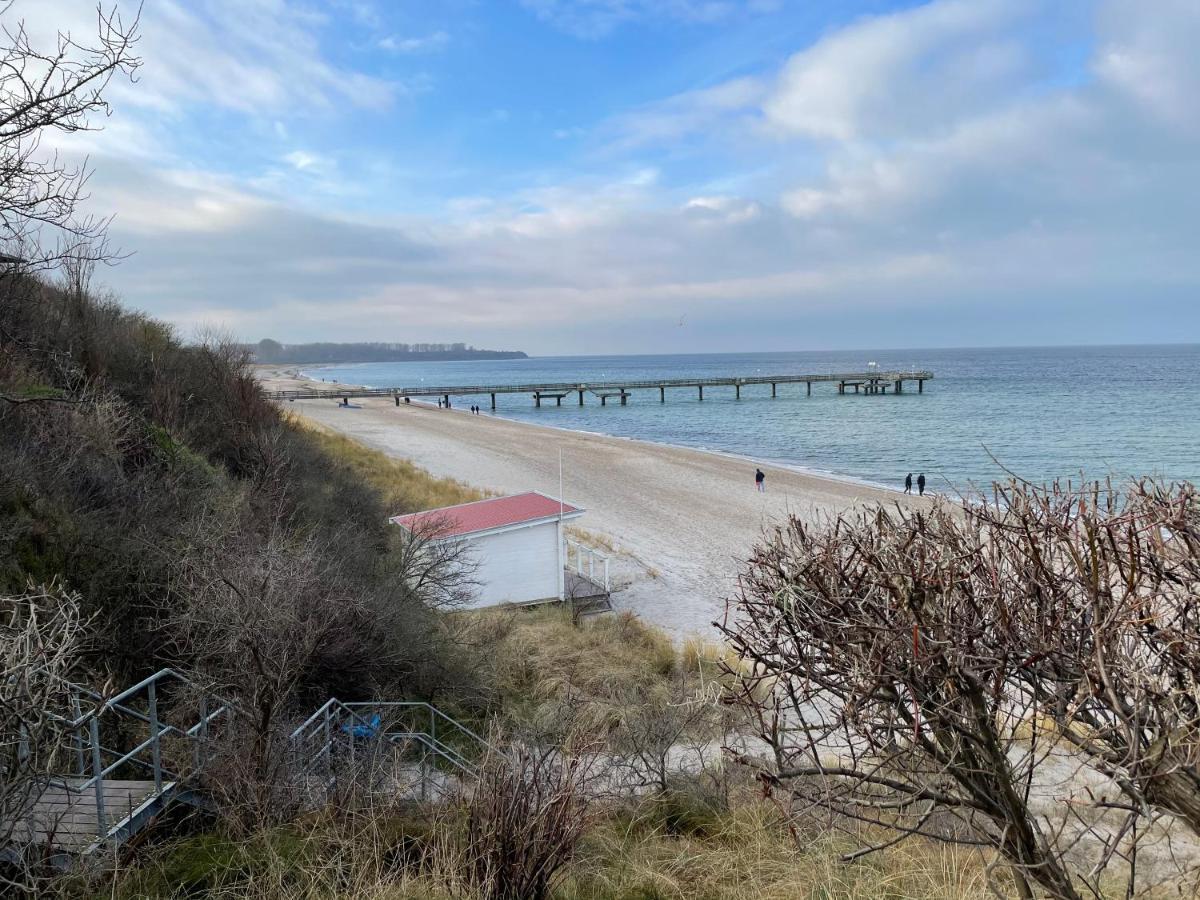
682	520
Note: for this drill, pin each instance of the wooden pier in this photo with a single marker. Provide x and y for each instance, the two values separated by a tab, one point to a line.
870	383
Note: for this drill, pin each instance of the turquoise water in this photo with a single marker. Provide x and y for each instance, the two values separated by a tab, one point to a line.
1042	412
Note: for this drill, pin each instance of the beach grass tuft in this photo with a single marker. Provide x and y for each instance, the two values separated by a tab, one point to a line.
404	485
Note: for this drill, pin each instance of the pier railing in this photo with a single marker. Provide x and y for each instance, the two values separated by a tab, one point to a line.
872	382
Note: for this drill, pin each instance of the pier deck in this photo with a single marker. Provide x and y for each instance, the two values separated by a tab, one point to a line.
871	382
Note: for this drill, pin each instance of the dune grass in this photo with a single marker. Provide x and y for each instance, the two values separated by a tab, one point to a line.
747	854
405	486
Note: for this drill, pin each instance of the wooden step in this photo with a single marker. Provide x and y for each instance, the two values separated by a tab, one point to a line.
65	816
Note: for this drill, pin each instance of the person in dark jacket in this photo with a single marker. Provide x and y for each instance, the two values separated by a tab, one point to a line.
759	479
921	484
908	483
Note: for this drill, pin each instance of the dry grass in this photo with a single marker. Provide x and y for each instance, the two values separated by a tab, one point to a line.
405	486
601	542
748	856
539	659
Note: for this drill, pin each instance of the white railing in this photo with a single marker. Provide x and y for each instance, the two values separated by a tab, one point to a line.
586	562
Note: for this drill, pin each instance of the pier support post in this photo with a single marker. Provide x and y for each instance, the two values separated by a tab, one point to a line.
809	383
537	400
558	401
701	390
899	386
841	387
624	397
920	385
662	395
603	400
772	390
581	398
447	400
493	401
737	392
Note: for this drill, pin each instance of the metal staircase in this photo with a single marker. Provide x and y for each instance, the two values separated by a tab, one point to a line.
169	722
403	748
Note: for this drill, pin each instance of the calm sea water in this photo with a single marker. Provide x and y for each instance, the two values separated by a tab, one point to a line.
1044	413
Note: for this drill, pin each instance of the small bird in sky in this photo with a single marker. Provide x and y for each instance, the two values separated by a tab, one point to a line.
681	321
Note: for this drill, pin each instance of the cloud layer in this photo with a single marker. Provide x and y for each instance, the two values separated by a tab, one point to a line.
938	165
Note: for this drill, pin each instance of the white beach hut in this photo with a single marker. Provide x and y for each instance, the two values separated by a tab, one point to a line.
515	542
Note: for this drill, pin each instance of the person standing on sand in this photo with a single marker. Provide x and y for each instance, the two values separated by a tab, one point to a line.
908	483
760	480
921	484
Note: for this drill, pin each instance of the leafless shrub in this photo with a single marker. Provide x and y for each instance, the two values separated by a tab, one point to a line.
668	737
1110	630
924	671
524	820
256	616
438	571
40	638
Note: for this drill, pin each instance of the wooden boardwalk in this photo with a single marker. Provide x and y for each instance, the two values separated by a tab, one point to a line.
64	817
870	382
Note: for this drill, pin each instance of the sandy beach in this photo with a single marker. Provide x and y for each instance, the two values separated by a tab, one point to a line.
680	520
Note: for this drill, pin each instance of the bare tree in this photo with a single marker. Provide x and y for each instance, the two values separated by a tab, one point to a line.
41	636
53	88
440	572
930	673
254	616
525	818
1111	630
879	708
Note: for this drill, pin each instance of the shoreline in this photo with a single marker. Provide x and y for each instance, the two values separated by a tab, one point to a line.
798	468
678	522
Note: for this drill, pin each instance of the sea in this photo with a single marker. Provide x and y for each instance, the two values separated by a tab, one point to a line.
1041	413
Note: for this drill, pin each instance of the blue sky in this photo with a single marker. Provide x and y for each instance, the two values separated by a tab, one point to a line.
569	176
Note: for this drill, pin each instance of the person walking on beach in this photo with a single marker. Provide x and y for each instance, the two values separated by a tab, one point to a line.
908	484
760	480
921	484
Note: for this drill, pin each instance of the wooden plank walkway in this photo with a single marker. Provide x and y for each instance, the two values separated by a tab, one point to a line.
65	817
869	382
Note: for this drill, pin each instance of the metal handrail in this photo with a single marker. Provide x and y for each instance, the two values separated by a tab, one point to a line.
433	710
196	733
326	724
91	753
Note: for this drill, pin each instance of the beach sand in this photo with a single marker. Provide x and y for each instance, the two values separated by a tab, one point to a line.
680	521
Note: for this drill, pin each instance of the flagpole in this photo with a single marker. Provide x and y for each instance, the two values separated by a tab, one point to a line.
562	574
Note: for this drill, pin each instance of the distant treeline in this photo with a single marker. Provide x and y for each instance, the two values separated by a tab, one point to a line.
269	351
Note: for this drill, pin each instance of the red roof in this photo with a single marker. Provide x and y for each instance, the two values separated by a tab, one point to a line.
484	515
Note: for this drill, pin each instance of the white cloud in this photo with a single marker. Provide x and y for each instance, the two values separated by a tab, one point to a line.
879	77
260	57
1151	56
303	161
429	43
692	112
908	161
598	18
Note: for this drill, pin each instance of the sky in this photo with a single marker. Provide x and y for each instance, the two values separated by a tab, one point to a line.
652	176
